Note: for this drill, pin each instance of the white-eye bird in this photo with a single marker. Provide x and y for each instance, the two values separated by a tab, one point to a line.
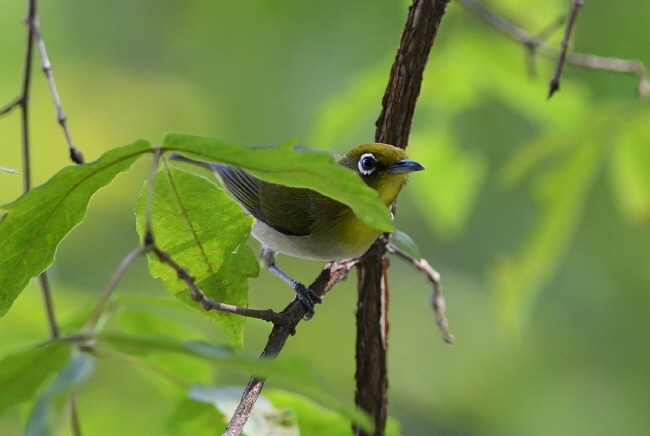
303	223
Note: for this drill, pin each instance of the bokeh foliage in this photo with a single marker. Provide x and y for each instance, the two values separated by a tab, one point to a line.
534	211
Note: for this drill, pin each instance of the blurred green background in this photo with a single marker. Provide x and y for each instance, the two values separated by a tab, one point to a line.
535	212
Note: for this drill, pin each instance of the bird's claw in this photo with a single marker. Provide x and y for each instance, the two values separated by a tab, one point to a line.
308	298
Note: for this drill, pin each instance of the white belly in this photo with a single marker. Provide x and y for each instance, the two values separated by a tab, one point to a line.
306	247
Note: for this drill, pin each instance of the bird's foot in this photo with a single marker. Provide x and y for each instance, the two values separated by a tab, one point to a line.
308	298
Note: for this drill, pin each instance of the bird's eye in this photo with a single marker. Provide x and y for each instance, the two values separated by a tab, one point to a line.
367	164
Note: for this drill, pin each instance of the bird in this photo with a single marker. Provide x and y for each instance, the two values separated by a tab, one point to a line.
303	223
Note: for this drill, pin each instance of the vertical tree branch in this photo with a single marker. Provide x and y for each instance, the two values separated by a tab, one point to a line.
372	336
393	127
23	100
394	123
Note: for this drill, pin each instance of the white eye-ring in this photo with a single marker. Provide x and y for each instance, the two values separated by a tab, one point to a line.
367	164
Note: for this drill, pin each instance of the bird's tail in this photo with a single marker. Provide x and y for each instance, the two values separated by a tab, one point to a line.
180	158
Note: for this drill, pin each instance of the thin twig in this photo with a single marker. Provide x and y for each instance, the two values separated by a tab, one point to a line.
554	84
208	303
9	170
24	99
541	36
49	305
74	417
537	45
23	102
108	291
500	23
75	154
11	105
437	299
332	274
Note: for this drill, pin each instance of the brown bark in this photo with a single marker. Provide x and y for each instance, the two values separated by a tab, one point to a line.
393	127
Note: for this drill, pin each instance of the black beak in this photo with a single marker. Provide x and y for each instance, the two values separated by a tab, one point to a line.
404	166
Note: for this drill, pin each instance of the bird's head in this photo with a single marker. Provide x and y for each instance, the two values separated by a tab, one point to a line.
383	167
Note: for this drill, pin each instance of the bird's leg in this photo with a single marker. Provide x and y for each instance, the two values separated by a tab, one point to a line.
306	296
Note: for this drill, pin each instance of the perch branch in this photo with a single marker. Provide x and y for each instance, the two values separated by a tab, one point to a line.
332	274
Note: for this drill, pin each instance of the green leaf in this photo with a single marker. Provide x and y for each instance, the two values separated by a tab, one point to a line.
47	408
313	419
630	168
204	231
265	419
282	164
349	117
291	372
451	184
561	193
196	418
150	322
143	345
35	223
22	374
393	427
406	243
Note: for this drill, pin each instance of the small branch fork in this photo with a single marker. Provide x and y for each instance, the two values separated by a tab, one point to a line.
437	300
536	44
